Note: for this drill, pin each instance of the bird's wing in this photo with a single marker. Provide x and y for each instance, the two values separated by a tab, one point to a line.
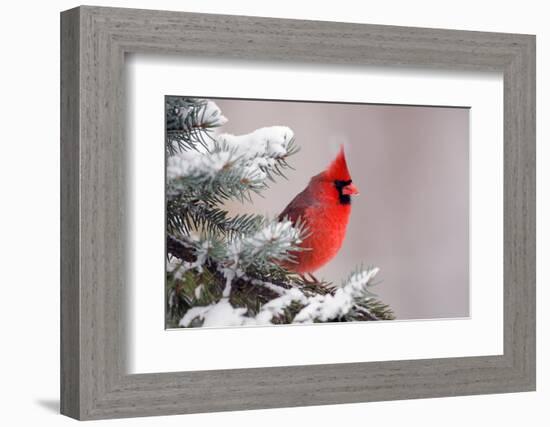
298	208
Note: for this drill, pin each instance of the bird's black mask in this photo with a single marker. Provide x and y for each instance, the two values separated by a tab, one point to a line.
345	199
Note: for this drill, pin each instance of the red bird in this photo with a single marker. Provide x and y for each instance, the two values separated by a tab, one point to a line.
324	208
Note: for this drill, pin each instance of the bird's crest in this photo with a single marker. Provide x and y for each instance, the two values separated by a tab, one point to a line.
338	169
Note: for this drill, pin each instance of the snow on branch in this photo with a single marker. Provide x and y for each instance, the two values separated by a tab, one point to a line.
261	151
211	115
221	313
315	308
322	308
236	164
202	176
274	241
271	242
198	164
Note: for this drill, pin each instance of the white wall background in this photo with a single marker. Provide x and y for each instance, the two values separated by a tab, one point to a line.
29	225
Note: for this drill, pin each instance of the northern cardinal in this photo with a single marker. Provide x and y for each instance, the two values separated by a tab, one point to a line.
324	207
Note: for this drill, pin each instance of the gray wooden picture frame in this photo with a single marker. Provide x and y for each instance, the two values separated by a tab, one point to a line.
94	382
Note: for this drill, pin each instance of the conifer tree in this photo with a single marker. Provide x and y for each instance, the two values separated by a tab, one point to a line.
225	270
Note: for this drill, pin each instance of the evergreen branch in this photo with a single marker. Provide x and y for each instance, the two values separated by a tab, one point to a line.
231	167
198	181
190	122
198	215
179	249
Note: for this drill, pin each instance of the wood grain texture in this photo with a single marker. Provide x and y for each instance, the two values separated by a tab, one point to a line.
70	314
94	382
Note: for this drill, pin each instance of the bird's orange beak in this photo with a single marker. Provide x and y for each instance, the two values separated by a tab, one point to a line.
350	190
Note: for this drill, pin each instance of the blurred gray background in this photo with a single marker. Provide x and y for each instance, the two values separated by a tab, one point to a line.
411	165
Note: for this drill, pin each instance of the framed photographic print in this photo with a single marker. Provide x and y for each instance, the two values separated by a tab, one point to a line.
288	266
306	212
